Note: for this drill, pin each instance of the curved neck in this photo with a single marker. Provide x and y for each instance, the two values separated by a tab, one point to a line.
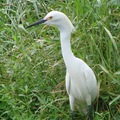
66	48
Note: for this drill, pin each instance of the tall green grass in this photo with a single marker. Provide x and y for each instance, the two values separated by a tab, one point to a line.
32	71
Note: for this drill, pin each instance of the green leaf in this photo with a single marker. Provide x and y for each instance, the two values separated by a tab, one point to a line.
111	38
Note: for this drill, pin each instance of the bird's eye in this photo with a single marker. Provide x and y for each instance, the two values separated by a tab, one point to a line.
50	18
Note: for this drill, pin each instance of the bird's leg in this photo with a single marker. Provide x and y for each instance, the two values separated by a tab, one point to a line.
72	115
72	100
89	109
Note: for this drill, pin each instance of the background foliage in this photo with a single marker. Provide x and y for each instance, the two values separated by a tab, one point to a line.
32	71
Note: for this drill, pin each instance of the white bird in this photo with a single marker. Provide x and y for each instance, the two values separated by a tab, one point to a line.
81	84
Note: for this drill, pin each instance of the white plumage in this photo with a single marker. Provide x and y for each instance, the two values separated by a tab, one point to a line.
81	82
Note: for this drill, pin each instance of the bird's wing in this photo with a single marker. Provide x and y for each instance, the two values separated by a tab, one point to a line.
68	81
91	83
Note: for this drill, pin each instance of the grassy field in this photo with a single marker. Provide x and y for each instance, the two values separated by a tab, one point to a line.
32	71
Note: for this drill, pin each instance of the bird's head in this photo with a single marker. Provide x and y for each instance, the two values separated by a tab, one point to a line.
58	19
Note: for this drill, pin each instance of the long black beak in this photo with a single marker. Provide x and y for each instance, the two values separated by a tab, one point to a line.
37	23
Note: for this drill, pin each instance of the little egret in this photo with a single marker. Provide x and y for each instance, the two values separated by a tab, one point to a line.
81	84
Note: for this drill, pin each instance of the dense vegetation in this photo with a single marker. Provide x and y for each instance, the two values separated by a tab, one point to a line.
32	71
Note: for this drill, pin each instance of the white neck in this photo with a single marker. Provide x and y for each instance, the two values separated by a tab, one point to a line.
66	48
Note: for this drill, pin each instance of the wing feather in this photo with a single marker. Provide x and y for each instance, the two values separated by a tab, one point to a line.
68	81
